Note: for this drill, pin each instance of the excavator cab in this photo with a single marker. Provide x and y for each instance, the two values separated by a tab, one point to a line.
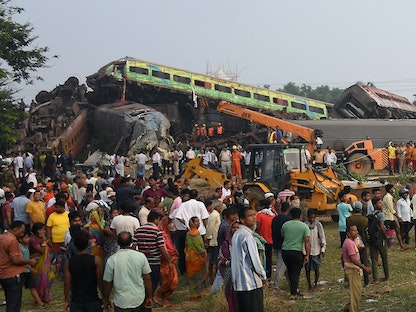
274	165
271	166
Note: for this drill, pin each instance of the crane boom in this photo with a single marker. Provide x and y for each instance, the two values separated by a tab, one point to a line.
305	133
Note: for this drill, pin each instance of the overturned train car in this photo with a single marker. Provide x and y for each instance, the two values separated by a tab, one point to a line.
367	102
129	126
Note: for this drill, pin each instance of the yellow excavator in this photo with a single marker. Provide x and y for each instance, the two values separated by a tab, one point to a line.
360	157
274	165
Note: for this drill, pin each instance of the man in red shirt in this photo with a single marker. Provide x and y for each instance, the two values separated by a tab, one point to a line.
264	220
154	191
12	264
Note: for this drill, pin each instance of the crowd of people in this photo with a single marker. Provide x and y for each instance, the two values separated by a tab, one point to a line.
136	236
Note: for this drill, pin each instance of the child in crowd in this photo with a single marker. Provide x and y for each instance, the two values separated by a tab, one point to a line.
27	277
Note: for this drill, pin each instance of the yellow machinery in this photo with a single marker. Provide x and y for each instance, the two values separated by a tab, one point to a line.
213	177
360	156
274	165
271	167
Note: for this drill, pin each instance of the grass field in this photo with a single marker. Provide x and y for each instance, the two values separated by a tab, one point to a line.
398	294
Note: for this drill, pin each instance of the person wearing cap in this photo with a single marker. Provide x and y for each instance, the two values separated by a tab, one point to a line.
361	222
271	200
404	212
236	163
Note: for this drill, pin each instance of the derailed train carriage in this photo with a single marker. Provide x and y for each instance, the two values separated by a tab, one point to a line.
367	102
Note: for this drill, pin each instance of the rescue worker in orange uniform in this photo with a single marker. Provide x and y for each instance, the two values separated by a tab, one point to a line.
211	132
236	163
220	130
203	132
197	132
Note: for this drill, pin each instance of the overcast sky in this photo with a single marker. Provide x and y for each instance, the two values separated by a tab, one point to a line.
321	42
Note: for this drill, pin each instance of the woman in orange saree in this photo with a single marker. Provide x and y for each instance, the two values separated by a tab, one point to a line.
196	261
168	272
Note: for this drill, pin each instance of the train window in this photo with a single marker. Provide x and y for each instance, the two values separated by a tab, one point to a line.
139	70
203	84
261	97
242	93
280	101
315	109
299	105
159	74
181	79
222	88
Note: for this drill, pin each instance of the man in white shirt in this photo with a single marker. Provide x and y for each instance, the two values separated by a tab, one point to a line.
125	222
404	212
141	160
330	158
156	163
190	154
193	208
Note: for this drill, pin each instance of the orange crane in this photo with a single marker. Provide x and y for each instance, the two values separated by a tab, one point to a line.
360	157
305	133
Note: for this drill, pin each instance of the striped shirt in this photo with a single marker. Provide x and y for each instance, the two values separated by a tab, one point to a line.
246	269
149	240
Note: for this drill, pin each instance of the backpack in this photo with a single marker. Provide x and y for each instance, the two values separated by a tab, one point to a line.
373	229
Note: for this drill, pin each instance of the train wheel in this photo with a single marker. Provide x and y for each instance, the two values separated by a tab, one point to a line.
359	163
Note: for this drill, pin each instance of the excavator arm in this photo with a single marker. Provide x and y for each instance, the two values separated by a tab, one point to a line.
213	177
305	133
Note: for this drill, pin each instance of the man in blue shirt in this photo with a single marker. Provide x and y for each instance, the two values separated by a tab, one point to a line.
344	210
248	274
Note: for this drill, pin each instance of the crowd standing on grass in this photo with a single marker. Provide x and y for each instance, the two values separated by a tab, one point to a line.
59	223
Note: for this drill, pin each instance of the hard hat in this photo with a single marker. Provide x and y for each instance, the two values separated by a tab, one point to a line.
403	191
196	125
234	146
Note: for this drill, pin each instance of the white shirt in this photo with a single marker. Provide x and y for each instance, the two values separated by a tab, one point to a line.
193	208
177	202
403	209
141	159
18	162
213	225
190	154
156	158
143	213
330	158
124	223
413	202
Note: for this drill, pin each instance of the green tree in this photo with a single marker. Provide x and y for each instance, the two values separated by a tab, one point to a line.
321	93
19	61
